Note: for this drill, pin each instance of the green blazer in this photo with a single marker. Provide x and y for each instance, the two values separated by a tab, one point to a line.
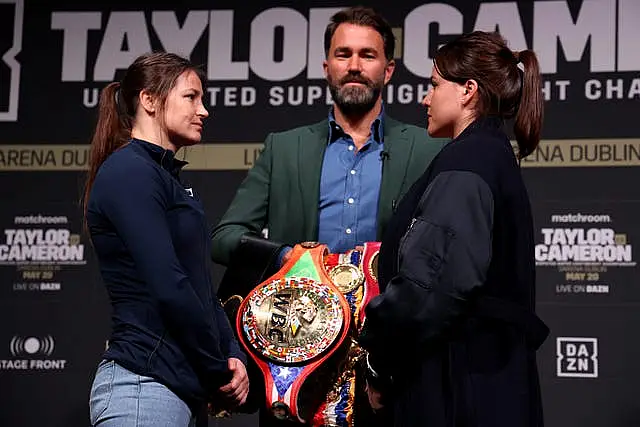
282	190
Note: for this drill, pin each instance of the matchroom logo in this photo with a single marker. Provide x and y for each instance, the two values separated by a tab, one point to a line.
577	357
32	353
11	17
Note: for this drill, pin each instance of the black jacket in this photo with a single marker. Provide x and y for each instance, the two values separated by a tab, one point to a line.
455	327
152	241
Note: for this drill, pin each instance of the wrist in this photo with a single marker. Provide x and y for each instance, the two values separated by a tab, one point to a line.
370	371
374	377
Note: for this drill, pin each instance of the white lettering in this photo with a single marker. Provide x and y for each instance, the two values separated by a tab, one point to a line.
416	34
178	40
592	89
276	96
505	18
614	88
220	64
318	20
628	35
294	44
129	27
75	27
595	25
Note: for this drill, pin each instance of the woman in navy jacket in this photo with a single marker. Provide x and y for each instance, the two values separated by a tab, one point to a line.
171	349
452	338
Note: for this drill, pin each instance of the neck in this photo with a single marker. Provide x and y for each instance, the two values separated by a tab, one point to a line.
358	126
462	124
151	132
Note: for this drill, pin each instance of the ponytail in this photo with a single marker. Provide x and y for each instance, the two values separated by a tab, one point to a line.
112	131
528	120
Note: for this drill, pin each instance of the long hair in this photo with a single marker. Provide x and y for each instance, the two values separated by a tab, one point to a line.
155	73
509	83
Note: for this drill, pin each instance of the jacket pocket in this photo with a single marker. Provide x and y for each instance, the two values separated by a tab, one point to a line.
423	251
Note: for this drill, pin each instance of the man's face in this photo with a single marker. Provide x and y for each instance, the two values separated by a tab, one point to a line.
356	68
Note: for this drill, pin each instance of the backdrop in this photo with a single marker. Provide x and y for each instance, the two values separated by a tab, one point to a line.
263	65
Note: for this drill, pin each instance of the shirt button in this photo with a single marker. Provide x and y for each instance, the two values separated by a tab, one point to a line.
351	148
348	231
350	200
353	172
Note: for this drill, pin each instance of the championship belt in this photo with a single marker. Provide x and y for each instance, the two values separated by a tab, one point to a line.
355	273
290	324
370	270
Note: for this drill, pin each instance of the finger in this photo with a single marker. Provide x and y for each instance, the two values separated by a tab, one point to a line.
230	389
243	398
237	391
238	380
243	391
227	388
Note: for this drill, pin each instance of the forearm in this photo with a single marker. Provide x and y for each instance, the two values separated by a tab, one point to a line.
225	239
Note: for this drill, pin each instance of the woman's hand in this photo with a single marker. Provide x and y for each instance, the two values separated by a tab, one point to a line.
375	397
238	388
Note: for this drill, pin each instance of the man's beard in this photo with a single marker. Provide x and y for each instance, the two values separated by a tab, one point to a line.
355	99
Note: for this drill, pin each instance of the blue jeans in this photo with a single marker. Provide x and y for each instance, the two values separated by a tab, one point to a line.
120	398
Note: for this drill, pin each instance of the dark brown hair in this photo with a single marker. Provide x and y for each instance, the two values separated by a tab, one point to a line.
509	83
155	73
365	17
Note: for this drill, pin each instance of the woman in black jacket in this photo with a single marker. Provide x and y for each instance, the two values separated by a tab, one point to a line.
451	340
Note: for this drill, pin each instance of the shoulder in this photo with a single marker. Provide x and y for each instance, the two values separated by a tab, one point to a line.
404	128
318	128
125	168
486	153
417	134
493	145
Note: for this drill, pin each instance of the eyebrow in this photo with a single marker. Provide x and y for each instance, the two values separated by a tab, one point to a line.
348	49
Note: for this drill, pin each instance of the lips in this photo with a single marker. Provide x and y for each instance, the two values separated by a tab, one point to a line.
362	82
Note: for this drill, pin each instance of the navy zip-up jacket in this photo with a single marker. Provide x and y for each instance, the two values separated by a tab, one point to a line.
153	245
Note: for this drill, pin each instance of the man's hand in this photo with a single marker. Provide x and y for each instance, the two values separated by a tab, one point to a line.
375	397
238	388
286	257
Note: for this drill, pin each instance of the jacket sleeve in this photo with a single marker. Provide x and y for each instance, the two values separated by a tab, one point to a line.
226	328
443	259
249	210
136	204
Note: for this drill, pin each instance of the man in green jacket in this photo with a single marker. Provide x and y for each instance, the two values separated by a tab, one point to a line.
290	193
336	181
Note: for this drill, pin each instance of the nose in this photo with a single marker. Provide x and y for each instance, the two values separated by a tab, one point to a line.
426	101
355	64
202	111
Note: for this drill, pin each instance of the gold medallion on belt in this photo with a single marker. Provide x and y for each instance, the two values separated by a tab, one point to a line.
346	277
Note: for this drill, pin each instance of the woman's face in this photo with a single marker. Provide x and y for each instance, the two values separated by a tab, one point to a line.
185	112
445	106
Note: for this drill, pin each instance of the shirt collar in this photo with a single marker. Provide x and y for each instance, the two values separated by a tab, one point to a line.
377	127
165	158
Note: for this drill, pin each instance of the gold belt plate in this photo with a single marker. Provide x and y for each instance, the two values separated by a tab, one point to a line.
292	320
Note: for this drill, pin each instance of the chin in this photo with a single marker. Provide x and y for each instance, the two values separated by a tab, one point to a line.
433	132
437	132
186	141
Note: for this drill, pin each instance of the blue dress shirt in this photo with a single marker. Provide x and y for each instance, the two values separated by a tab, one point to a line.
350	188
